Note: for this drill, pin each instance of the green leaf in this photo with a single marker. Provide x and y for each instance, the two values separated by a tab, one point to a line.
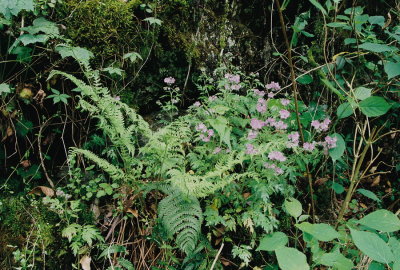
320	231
338	188
42	25
374	106
291	258
293	207
396	265
368	194
381	220
153	20
338	151
23	53
126	264
373	246
133	56
5	89
377	48
13	7
305	79
394	244
80	54
336	24
31	39
336	260
319	6
379	20
273	241
220	124
392	69
114	71
344	110
362	93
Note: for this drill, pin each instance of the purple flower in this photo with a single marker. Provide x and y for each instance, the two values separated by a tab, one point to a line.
285	101
284	114
250	149
217	150
232	78
270	121
236	87
252	135
118	98
256	124
201	127
258	92
278	171
309	146
321	126
204	138
261	108
169	80
273	86
293	139
315	124
280	125
271	95
197	104
210	132
212	98
276	155
330	142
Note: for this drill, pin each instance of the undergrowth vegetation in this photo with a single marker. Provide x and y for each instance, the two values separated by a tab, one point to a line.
286	160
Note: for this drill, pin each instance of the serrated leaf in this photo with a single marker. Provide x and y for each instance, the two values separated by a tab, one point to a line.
320	231
5	89
373	246
305	79
362	93
291	258
338	151
392	69
374	106
41	25
344	110
381	220
368	194
379	20
273	241
13	7
293	207
80	54
27	39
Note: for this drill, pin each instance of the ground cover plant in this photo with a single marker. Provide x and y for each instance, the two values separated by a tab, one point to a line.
142	140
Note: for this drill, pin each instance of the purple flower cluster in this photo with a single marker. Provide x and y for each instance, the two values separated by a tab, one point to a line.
309	146
252	135
169	80
206	133
330	142
197	104
212	98
250	150
321	126
277	170
285	101
261	105
284	114
259	93
234	80
276	155
293	139
256	124
273	85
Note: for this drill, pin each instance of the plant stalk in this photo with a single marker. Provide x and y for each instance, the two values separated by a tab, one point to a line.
296	104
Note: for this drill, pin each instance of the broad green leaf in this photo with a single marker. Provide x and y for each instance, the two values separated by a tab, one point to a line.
23	53
114	71
379	20
80	54
221	126
376	266
12	7
377	48
344	110
338	188
374	106
42	25
368	194
291	258
153	20
320	231
396	265
392	69
373	246
319	6
293	207
133	56
27	39
381	220
337	24
362	93
305	79
394	244
273	241
338	151
336	260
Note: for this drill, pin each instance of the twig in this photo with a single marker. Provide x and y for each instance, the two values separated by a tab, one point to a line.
216	257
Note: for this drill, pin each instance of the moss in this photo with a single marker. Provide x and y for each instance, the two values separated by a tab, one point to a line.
106	27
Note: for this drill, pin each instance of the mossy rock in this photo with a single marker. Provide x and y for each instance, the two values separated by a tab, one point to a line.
106	27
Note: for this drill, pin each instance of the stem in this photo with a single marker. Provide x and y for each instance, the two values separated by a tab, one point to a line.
295	95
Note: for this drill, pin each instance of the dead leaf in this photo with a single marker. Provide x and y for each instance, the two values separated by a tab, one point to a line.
225	262
389	183
10	132
373	169
246	195
85	262
42	189
363	205
25	163
321	181
376	181
134	212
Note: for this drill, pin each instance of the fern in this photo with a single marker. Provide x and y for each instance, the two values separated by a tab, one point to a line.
181	216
